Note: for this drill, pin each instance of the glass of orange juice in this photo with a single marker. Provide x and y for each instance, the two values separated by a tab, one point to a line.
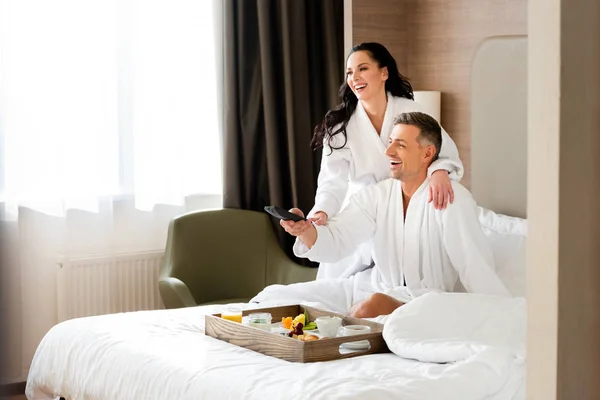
233	313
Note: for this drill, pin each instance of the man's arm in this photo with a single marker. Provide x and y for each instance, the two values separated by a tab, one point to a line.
468	248
342	234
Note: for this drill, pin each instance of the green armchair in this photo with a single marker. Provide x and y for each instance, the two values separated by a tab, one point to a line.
223	256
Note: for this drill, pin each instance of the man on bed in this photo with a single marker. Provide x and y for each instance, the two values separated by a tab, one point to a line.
416	247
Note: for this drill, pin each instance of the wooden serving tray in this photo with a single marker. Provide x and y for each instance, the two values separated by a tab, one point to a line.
287	348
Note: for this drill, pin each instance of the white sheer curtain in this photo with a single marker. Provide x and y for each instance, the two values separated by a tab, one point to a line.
109	127
103	98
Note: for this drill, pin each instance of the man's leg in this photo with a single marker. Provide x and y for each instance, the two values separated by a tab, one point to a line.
375	305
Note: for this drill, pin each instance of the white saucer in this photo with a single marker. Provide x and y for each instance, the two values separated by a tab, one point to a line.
360	345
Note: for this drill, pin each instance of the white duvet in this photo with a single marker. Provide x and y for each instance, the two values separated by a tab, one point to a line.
446	346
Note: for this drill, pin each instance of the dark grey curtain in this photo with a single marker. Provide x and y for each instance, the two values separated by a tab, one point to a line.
284	64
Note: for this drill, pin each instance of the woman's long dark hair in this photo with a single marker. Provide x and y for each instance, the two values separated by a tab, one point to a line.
396	84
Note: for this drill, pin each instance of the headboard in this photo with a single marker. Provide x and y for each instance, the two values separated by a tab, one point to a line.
499	125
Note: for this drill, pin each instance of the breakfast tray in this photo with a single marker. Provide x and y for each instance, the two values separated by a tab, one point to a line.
290	349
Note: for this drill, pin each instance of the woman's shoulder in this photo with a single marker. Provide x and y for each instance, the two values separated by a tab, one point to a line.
339	140
351	130
402	104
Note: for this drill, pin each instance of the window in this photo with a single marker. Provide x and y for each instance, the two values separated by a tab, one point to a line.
108	97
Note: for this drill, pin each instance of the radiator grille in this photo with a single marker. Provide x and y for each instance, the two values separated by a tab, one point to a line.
108	284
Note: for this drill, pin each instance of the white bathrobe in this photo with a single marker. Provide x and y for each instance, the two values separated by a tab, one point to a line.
430	250
362	162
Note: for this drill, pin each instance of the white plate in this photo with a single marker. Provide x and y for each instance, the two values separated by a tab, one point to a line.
360	345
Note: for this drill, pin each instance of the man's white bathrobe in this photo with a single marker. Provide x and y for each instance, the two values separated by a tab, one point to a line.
361	163
430	250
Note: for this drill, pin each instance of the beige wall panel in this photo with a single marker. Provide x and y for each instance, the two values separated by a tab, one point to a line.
434	42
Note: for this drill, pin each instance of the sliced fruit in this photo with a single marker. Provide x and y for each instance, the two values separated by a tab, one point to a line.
299	319
310	326
287	322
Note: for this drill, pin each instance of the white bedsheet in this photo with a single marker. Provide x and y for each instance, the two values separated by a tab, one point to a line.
165	355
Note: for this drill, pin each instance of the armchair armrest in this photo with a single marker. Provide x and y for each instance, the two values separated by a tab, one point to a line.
175	293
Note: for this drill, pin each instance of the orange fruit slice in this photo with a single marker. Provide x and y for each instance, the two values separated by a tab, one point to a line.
287	322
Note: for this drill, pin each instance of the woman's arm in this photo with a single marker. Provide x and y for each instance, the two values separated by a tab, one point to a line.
447	167
448	159
332	184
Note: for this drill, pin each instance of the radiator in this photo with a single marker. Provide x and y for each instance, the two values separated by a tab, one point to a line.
108	284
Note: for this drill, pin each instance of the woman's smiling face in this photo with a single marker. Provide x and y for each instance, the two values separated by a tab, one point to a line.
364	76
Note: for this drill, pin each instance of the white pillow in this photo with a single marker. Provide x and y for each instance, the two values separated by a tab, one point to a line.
508	236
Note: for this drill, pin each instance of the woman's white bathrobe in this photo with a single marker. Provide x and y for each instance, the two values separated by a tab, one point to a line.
362	162
432	250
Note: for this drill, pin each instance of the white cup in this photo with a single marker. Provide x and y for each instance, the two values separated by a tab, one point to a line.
328	326
350	330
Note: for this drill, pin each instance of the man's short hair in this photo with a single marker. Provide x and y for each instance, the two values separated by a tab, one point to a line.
431	131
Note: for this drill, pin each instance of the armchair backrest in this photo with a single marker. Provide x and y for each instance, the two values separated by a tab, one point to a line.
227	254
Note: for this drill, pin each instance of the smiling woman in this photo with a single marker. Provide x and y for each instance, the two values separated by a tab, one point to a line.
354	136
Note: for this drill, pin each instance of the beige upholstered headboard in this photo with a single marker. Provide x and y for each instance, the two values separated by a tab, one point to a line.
499	125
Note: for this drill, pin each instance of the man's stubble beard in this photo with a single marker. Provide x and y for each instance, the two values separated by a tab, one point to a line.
396	175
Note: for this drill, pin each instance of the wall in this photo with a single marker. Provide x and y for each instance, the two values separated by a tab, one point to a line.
434	42
382	21
10	317
563	282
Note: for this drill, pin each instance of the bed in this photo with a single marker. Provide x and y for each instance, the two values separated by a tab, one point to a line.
164	355
444	346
